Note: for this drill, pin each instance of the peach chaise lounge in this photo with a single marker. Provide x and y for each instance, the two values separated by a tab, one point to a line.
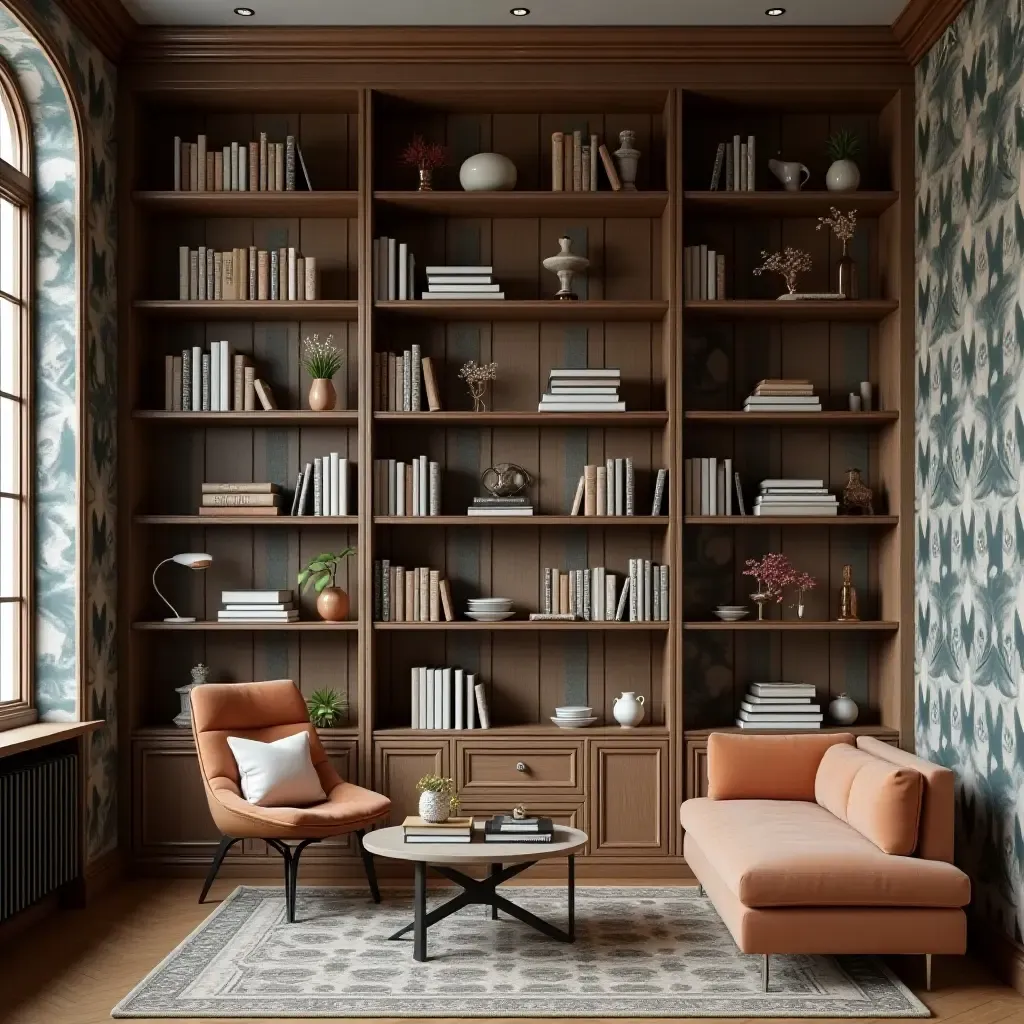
817	844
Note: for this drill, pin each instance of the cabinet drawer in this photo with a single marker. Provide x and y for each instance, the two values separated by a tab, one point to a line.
518	768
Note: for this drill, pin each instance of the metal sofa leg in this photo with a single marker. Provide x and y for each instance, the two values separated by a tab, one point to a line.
226	842
764	973
927	972
701	891
368	866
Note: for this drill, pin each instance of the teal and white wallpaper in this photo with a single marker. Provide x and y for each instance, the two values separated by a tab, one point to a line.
969	439
75	383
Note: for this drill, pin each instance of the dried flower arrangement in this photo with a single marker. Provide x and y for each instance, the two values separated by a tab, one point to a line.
477	378
426	157
321	359
787	264
773	573
843	225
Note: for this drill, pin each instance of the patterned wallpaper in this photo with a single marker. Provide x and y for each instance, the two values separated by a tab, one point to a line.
970	435
74	414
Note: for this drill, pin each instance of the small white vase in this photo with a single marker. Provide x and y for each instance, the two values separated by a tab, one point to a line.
843	710
434	807
628	709
842	176
487	172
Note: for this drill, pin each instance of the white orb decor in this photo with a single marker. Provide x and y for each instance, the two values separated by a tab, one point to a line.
488	172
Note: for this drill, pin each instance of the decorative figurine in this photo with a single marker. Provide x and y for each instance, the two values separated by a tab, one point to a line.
848	597
505	479
519	812
477	378
787	264
627	156
426	157
200	675
857	497
565	265
843	226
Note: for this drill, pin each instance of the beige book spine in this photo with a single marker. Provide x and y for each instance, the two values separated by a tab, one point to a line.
557	161
193	275
311	291
168	383
293	289
210	166
214	500
249	389
254	166
183	170
424	581
229	276
585	169
563	593
210	281
567	160
410	596
430	385
218	275
602	491
265	395
282	273
263	161
577	161
200	164
446	600
201	272
271	170
176	385
435	609
279	165
263	275
251	270
218	171
593	163
193	167
243	274
590	490
300	279
238	384
609	169
183	259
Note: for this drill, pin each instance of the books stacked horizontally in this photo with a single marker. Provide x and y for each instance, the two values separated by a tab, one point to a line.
454	830
409	595
250	499
406	488
448	698
779	706
322	488
582	390
783	396
394	270
449	283
401	381
257	606
514	505
503	828
709	488
796	497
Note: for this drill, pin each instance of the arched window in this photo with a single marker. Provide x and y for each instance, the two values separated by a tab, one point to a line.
15	376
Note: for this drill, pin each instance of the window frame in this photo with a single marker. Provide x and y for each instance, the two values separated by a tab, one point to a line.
17	188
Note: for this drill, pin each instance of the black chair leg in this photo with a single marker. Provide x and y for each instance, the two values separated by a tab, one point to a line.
368	865
226	842
291	869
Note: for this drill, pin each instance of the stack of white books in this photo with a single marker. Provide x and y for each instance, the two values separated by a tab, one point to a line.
582	390
257	606
448	283
779	706
783	395
448	698
796	497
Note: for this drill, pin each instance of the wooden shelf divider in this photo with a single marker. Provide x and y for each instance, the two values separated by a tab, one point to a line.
528	310
834	310
249	204
254	310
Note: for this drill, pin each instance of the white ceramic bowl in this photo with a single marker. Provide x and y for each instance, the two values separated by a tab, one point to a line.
489	616
573	711
487	602
573	723
732	614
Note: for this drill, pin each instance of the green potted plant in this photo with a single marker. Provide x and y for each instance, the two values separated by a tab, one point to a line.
843	175
321	572
321	360
327	708
438	798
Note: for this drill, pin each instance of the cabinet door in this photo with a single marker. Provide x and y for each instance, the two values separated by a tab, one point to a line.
629	798
400	764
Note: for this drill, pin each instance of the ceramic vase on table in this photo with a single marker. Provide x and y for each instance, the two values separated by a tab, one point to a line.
487	172
434	807
332	604
566	265
842	176
322	396
628	709
626	157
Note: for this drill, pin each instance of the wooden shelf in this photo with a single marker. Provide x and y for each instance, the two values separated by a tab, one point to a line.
738	418
793	626
526	419
249	204
297	521
524	626
204	626
519	310
539	731
878	731
273	418
788	204
597	521
552	205
837	310
838	521
218	309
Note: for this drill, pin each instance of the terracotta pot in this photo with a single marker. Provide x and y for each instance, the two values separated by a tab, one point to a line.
322	396
332	604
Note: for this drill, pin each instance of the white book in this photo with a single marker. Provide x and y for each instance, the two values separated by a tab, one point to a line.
584	371
796	499
787	726
458	271
400	509
403	271
782	400
462	294
293	290
342	487
414	719
422	722
438	697
624	598
728	487
227	616
785	482
648	591
215	376
772	701
705	494
446	698
431	687
633	591
333	500
779	708
796	510
392	269
459	279
278	606
459	696
609	487
415	469
786	491
483	289
243	168
197	379
424	486
783	690
765	716
559	406
620	487
234	167
482	710
227	379
609	596
712	487
663	584
797	410
470	701
582	389
573	397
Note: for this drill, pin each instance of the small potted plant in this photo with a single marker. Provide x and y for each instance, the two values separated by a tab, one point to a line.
426	157
787	264
477	378
327	708
843	175
773	574
321	360
321	572
438	798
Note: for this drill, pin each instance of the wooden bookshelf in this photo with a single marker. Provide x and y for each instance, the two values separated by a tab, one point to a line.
253	311
516	310
809	203
834	310
790	626
260	418
839	522
597	522
249	204
825	419
527	204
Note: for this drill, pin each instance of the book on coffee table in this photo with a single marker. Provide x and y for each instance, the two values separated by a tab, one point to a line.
454	830
502	829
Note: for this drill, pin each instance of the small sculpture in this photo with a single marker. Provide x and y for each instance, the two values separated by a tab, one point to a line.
519	812
857	497
627	156
200	675
426	157
505	479
477	378
565	265
843	226
787	264
848	597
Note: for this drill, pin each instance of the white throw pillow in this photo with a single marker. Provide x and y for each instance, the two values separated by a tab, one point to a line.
278	774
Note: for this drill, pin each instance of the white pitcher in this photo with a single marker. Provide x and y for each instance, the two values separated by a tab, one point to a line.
628	709
792	175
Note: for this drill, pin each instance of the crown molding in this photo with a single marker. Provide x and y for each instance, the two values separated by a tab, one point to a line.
107	24
922	22
336	45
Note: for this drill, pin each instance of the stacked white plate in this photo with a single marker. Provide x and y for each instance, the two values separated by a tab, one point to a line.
489	609
573	717
732	612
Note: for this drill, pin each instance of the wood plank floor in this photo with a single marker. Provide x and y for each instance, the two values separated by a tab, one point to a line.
74	966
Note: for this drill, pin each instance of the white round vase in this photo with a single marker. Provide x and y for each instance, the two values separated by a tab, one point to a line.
628	709
434	807
843	710
842	176
487	172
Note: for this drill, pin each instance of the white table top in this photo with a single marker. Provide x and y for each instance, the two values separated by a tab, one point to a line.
390	842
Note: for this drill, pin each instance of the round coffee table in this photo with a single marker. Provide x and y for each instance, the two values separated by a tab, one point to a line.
506	861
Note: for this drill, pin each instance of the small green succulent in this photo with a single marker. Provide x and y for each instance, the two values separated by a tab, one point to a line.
327	708
843	145
322	570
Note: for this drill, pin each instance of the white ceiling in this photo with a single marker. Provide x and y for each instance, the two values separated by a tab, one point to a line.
496	12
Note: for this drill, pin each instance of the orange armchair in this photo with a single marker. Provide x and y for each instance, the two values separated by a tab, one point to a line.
267	712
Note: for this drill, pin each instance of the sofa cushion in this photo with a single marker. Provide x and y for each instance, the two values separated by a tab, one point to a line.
789	853
745	767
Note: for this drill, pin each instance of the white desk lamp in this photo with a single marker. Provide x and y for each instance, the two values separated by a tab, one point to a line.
191	559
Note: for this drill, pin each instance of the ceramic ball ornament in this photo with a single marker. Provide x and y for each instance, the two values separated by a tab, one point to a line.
843	710
488	172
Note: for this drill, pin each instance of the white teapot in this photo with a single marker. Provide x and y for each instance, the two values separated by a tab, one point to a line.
792	175
628	709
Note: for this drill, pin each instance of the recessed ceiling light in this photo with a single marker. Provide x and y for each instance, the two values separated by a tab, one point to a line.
775	12
520	12
245	12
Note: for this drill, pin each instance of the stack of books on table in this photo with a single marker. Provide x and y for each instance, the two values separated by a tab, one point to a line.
240	499
783	396
450	283
454	830
796	497
582	390
503	828
516	505
779	706
257	606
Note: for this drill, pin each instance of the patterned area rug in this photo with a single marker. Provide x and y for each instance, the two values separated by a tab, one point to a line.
658	952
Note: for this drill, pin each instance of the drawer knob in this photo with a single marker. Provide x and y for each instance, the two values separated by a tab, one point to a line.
520	766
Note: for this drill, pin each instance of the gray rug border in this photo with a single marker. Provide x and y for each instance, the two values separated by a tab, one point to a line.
568	1008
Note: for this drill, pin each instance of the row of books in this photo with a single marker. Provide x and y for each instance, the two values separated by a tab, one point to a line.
448	283
594	595
502	828
795	497
738	160
259	166
394	270
704	273
574	163
448	698
406	488
322	488
709	488
783	394
582	390
245	274
401	381
779	706
214	381
257	606
410	595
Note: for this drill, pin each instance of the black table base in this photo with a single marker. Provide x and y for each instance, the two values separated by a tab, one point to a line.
481	892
